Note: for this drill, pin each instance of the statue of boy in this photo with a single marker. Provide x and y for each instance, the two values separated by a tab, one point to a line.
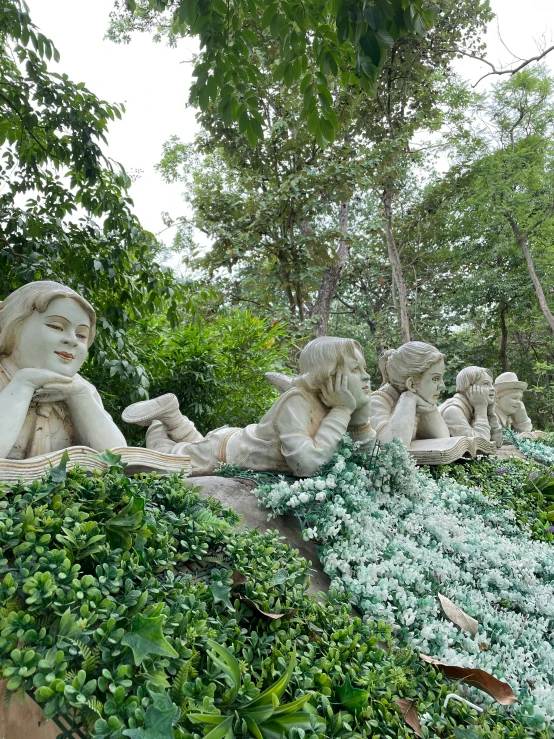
470	412
298	434
405	406
509	405
45	405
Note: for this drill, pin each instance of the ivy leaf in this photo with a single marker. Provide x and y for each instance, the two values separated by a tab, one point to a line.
111	459
221	594
59	473
354	699
146	637
158	721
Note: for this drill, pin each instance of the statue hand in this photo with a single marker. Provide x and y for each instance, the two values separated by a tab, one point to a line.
521	413
62	389
37	378
478	397
423	406
337	393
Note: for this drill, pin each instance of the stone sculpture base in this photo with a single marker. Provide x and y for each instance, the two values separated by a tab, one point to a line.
136	458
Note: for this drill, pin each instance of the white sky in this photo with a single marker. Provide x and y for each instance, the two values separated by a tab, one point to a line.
152	81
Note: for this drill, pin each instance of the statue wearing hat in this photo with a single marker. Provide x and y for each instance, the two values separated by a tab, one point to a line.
509	405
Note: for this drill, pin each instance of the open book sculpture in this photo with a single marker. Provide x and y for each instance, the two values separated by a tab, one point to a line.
136	460
446	451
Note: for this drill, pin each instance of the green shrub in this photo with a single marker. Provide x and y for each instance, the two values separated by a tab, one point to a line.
113	589
216	369
506	481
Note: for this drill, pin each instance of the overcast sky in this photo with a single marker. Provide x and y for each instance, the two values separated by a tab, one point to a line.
152	81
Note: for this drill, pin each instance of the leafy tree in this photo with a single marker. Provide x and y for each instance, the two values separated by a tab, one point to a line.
347	39
65	213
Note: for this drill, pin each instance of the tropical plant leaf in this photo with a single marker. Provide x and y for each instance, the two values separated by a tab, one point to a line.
228	663
272	616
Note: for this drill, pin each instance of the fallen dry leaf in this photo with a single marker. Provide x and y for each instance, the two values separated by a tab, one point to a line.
273	616
501	692
483	646
238	579
457	616
410	714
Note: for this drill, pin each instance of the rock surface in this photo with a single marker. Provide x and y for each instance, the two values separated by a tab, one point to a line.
236	493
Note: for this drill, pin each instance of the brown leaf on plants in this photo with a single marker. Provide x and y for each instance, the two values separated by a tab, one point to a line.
501	692
457	616
483	646
410	714
238	579
272	616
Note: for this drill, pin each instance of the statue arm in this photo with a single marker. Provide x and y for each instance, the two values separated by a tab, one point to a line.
398	424
15	399
458	425
93	425
432	426
305	455
521	421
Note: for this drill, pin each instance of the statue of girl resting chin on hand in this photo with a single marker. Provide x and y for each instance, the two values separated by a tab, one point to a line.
405	407
298	434
45	405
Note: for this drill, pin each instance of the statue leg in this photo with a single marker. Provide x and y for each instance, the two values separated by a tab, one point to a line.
166	410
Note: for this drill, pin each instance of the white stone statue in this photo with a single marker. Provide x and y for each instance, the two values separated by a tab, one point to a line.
45	405
509	403
405	407
470	412
299	433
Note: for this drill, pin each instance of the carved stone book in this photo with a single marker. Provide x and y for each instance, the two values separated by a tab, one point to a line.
445	451
137	459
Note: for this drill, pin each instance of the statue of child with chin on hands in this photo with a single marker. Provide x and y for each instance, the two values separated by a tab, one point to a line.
45	405
470	412
299	433
405	406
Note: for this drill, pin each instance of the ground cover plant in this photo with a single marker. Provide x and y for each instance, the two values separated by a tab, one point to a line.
144	610
396	538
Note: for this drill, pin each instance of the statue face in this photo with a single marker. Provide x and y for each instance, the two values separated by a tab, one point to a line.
430	385
55	340
359	382
510	401
485	381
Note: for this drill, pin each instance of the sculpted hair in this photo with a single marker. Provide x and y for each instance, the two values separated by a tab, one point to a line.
321	358
20	304
469	376
412	359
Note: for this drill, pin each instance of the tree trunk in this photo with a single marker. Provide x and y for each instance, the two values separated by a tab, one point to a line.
504	339
331	277
396	266
532	271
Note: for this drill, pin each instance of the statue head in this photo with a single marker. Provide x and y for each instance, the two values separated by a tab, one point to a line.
48	326
475	376
414	366
323	357
509	392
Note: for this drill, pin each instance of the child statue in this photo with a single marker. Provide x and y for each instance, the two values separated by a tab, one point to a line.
405	407
509	405
298	434
45	405
470	412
